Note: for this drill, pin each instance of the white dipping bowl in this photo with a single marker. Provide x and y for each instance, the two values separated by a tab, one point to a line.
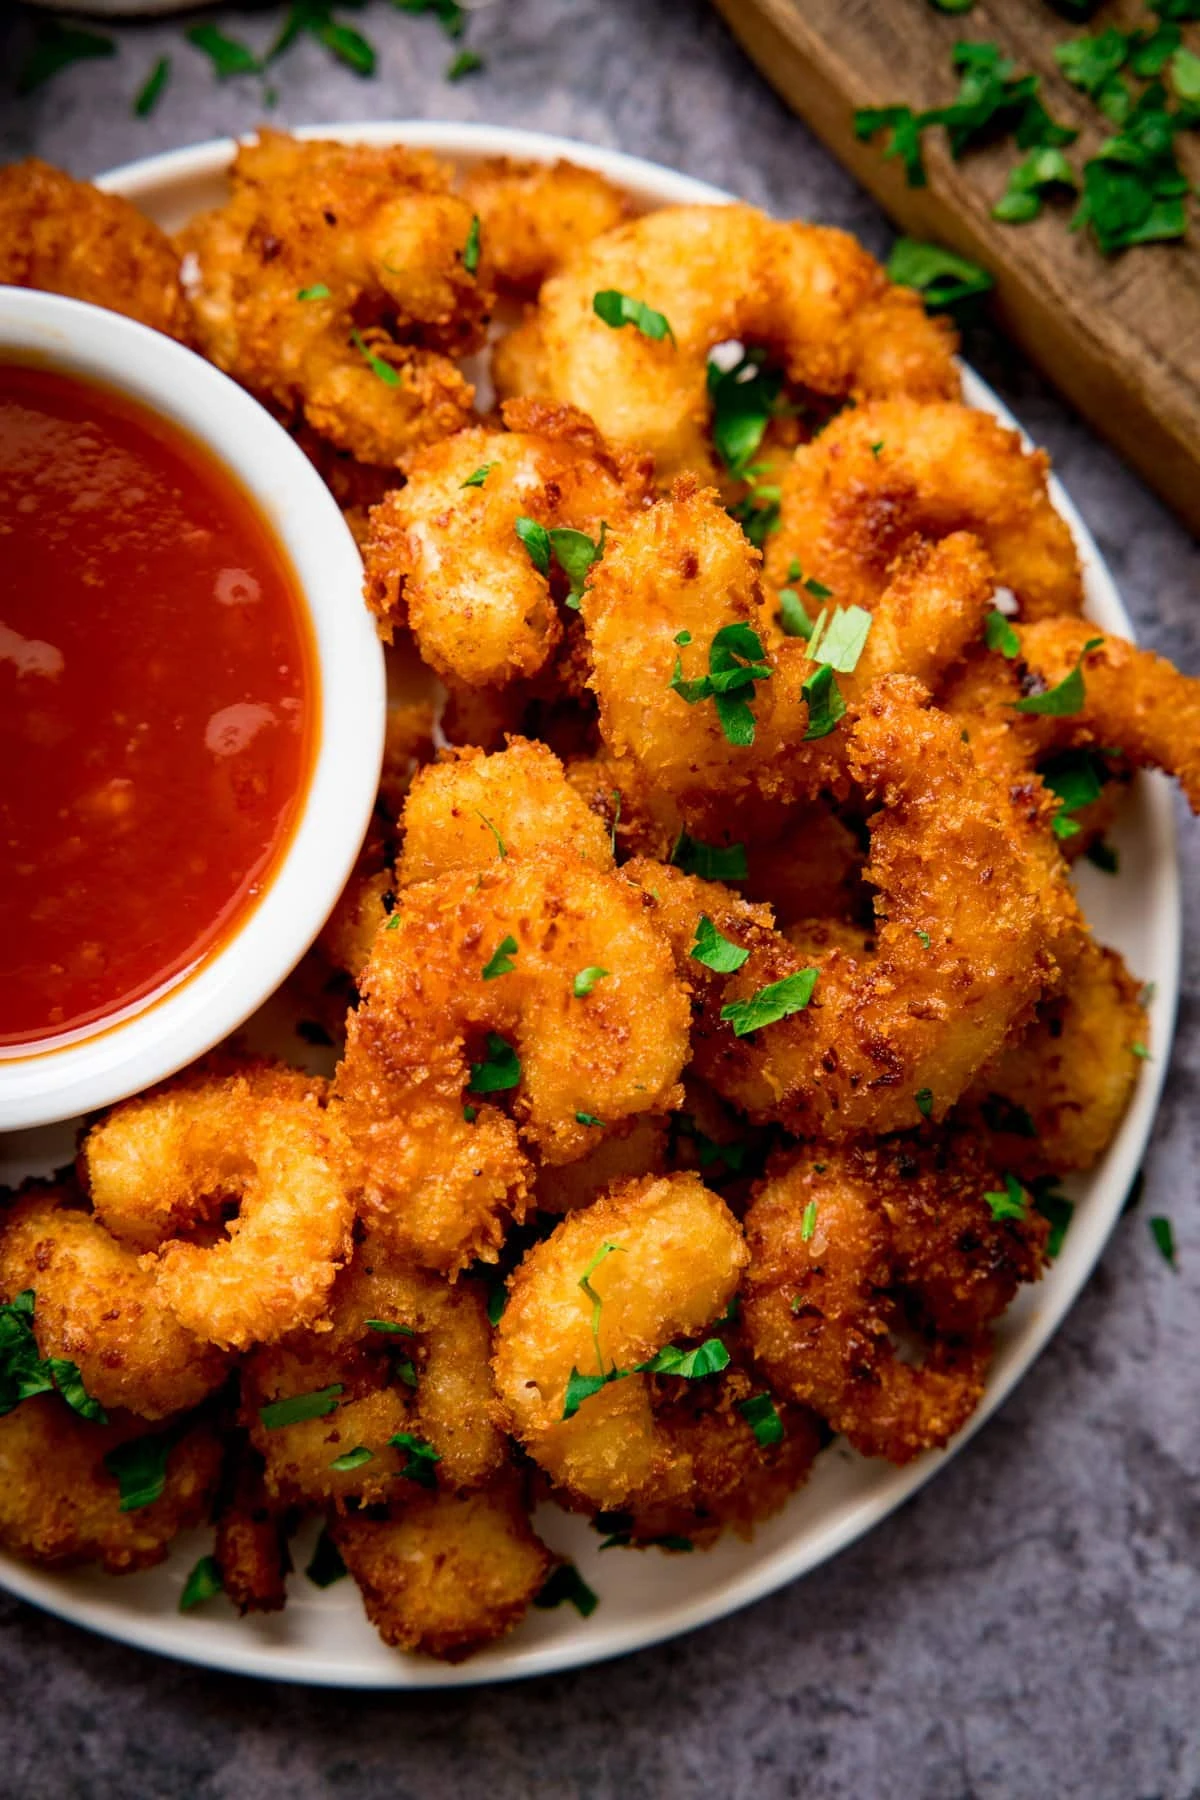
50	1082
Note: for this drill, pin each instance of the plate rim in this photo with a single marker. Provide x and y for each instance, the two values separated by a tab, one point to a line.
172	1636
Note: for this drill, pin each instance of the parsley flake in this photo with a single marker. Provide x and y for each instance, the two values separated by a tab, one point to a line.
420	1458
839	637
449	14
708	1358
202	1584
582	1387
298	1408
1141	1052
471	248
585	1118
1162	1231
500	962
712	862
227	56
1040	173
1011	1203
734	665
924	1100
139	1469
1077	779
352	1459
390	1327
479	477
501	848
946	282
575	552
567	1586
808	1221
923	939
744	399
793	615
778	1000
1064	700
1055	1208
148	97
467	62
318	291
500	1069
825	703
999	635
762	1416
714	950
618	309
24	1372
382	370
55	47
586	980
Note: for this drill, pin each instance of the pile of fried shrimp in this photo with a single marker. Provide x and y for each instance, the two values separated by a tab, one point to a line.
713	1016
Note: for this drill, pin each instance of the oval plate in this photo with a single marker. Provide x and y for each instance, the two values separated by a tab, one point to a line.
323	1636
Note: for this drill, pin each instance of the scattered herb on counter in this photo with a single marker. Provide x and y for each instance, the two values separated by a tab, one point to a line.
618	309
1043	172
952	6
1162	1231
778	1000
228	56
467	62
449	14
149	95
56	46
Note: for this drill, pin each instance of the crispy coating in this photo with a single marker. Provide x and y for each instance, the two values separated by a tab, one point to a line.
640	820
170	1162
639	1148
685	567
66	237
431	1378
96	1306
537	216
379	229
880	473
849	1246
813	870
440	1185
445	555
251	1547
60	1506
816	302
1052	1098
461	809
364	903
952	861
444	1574
677	1257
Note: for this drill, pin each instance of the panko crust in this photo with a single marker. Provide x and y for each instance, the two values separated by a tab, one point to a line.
445	1574
536	216
66	237
251	1544
96	1306
60	1506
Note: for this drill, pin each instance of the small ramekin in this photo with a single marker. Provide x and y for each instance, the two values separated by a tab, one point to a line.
233	980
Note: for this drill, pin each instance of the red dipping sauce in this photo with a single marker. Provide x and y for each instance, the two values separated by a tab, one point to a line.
158	699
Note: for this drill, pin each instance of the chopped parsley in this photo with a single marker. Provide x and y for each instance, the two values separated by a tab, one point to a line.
744	399
467	62
382	370
325	1566
999	635
618	309
390	1327
318	291
55	47
839	637
536	540
825	703
1003	1114
712	862
471	247
923	938
574	552
501	849
227	55
449	14
1042	172
1055	1208
1134	190
24	1372
708	1358
420	1458
300	1407
1064	700
352	1459
904	128
1163	1234
500	962
479	477
808	1221
1077	779
778	1000
1103	857
139	1469
793	615
202	1584
1009	1204
714	951
1141	1052
348	45
149	95
582	1387
586	980
500	1069
585	1118
946	282
567	1586
762	1416
924	1102
497	1299
735	663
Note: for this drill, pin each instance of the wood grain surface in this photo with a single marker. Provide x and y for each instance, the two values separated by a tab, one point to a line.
1120	336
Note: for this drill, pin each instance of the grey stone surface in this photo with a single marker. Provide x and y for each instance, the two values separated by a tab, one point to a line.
1029	1626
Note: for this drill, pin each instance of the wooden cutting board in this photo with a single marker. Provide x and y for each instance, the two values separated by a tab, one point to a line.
1119	336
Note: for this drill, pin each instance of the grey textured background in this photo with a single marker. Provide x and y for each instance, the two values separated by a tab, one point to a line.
1029	1626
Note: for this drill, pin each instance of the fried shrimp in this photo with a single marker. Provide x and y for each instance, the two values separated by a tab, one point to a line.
817	303
661	1258
444	1574
462	810
405	1365
536	216
1052	1098
541	974
96	1306
337	283
169	1164
60	1505
251	1548
445	553
966	915
884	472
66	237
681	573
848	1247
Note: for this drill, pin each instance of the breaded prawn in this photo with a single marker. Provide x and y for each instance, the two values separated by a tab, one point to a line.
536	216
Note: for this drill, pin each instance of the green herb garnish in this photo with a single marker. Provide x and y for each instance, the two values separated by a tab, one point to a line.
500	962
946	282
202	1584
148	97
353	1459
999	635
714	951
390	1327
708	1358
479	477
778	1000
1065	699
617	309
300	1407
762	1416
712	862
500	1069
24	1372
139	1469
1163	1234
472	246
318	291
735	663
467	62
420	1458
227	56
449	14
567	1586
1011	1204
808	1221
383	370
586	980
924	1101
825	703
1042	172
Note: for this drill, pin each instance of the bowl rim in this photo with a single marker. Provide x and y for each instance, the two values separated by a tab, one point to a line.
172	1028
202	1642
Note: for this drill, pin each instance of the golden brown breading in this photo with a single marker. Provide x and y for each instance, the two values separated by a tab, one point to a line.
98	1308
445	1574
846	1247
880	473
59	1504
329	266
66	237
251	1548
536	216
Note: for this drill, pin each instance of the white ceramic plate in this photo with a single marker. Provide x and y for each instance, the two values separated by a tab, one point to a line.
323	1637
